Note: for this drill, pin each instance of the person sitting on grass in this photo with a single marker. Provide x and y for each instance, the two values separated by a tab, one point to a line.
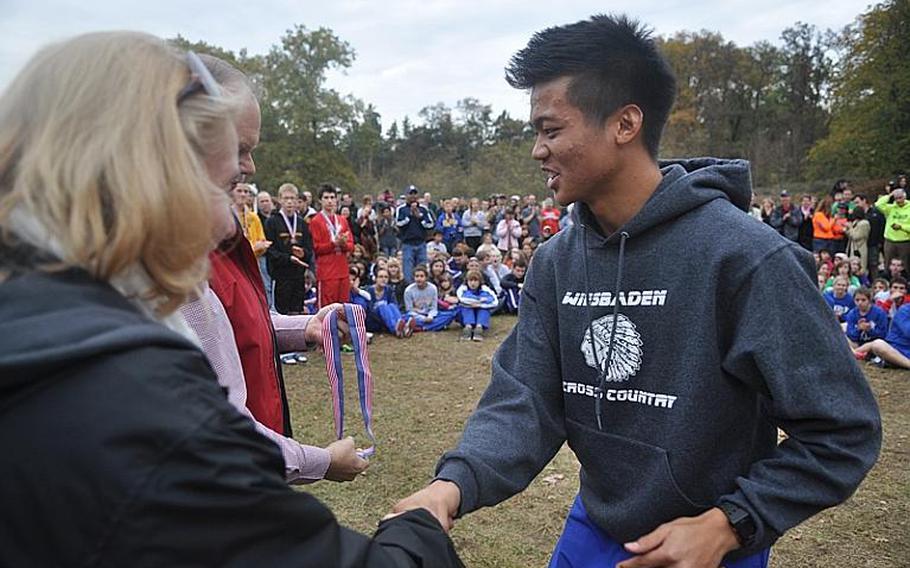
420	304
512	284
476	303
838	298
384	313
858	269
475	264
823	274
437	269
880	291
895	348
435	246
446	293
397	282
843	268
495	271
866	322
897	297
309	297
458	264
358	296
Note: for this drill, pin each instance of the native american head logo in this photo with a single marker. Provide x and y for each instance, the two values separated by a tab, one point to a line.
626	360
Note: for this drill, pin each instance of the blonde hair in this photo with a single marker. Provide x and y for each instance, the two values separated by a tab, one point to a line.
288	189
97	154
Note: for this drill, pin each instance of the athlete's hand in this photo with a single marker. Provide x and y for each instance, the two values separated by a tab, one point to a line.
260	246
441	498
687	542
345	464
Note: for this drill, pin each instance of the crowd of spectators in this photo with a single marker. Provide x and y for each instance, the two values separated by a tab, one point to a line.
861	246
414	264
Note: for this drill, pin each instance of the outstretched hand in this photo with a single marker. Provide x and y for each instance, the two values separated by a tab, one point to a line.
441	498
345	464
313	332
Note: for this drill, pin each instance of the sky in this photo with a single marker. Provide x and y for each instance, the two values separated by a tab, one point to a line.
409	54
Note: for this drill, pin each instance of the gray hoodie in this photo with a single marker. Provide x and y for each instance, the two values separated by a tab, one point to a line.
707	361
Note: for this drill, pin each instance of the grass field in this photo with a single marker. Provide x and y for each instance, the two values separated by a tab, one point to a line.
427	386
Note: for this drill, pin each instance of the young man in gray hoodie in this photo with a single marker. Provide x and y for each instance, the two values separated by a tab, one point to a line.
668	382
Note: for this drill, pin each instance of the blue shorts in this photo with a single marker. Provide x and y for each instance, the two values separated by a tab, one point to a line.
584	545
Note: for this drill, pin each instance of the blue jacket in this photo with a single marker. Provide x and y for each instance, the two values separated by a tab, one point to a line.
899	334
467	298
360	299
412	229
876	316
451	231
387	297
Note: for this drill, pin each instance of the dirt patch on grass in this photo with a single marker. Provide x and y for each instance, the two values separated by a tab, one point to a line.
427	386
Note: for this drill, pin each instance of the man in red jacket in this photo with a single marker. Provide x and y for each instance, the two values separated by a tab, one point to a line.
332	241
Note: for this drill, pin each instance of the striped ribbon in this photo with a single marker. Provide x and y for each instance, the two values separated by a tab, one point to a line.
331	344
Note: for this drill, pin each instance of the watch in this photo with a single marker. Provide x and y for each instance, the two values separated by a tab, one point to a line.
741	521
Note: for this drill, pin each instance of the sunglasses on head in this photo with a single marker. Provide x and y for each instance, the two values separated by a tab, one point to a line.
201	79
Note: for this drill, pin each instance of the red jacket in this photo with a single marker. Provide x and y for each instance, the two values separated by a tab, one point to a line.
236	280
331	262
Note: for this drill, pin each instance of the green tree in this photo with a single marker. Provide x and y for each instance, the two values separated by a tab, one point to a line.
303	121
870	124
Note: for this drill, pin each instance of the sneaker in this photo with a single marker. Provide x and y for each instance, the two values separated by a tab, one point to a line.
466	333
478	333
878	362
347	348
369	338
412	325
301	358
289	359
399	328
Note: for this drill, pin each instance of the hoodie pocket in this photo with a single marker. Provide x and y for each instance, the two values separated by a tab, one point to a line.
627	485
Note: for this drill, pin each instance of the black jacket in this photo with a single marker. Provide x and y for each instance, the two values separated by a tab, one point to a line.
278	256
120	449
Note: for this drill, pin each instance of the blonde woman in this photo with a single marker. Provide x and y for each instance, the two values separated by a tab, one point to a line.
119	447
248	219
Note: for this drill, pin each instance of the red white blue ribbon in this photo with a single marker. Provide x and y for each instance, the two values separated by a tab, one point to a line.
331	344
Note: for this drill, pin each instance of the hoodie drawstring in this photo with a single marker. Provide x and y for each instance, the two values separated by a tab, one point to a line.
602	371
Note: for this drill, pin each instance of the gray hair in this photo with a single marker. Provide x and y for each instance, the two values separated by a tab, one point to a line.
229	76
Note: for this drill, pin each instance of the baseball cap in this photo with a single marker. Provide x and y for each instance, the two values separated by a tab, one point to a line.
413	189
784	193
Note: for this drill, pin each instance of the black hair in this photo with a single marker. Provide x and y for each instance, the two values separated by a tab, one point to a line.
612	62
327	188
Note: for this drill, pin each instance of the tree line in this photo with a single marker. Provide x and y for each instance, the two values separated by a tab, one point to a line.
820	104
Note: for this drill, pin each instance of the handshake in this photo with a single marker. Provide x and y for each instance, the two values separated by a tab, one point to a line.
441	498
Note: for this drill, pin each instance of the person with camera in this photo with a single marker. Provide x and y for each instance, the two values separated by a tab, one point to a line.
413	221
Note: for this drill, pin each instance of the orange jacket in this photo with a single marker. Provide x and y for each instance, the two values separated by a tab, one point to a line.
824	227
